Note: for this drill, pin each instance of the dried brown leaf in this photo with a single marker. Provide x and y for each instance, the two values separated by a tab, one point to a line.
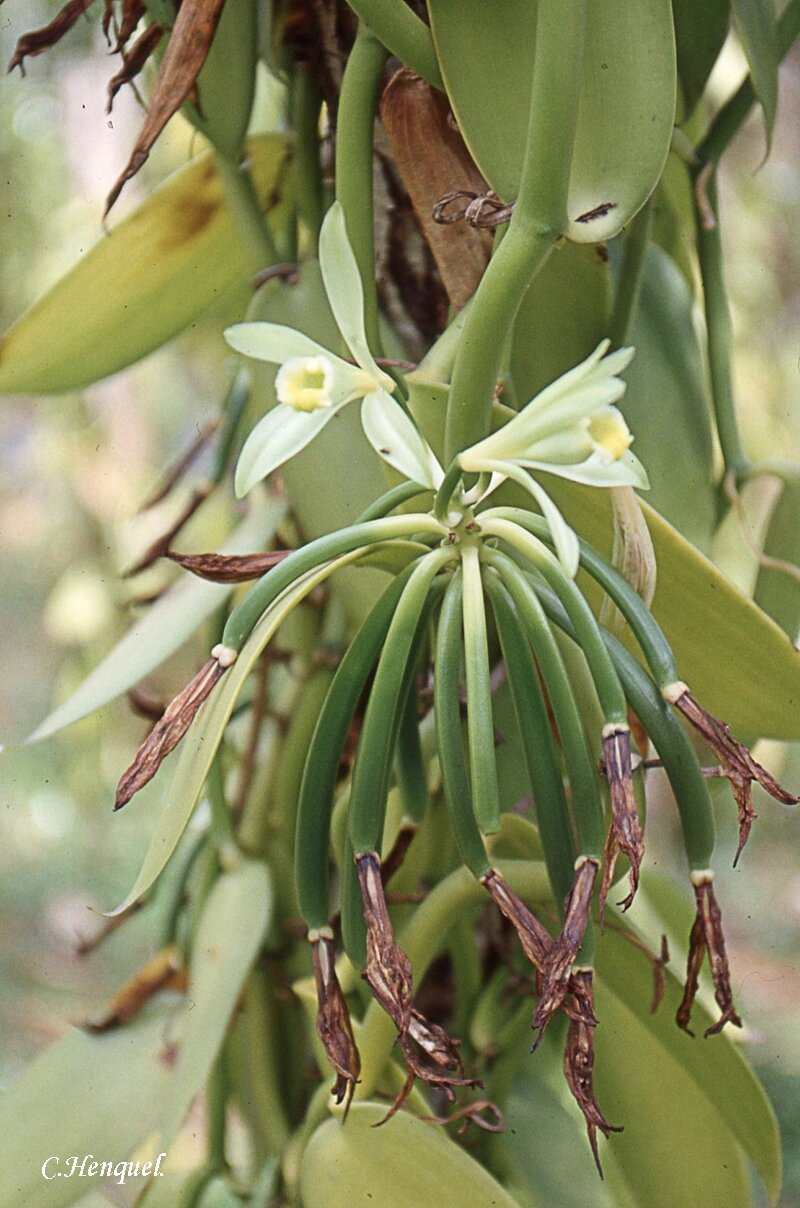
535	938
132	13
188	47
579	1060
39	40
164	972
432	158
228	568
167	733
134	60
158	548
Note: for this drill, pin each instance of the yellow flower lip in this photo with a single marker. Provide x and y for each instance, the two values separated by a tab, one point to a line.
609	433
305	383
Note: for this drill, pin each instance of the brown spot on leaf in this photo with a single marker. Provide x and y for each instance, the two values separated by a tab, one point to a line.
598	212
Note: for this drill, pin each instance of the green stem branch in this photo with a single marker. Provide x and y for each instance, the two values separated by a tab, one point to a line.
403	33
538	219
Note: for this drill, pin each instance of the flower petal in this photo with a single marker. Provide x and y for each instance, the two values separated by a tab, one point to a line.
277	437
345	293
597	471
394	437
564	539
275	343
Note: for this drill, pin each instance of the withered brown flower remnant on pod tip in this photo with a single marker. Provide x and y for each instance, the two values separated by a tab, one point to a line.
333	1020
625	834
563	951
706	936
430	1054
579	1059
737	762
167	733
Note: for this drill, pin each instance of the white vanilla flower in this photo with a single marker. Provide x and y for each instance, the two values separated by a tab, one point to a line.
572	429
313	384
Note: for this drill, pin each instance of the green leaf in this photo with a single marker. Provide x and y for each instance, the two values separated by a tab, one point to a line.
231	929
706	1099
739	663
356	1164
700	30
756	25
666	404
777	591
165	626
627	101
87	1094
563	317
142	284
199	746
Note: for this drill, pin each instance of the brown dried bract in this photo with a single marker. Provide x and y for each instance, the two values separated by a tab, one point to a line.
134	60
561	957
167	733
132	13
333	1022
483	211
189	44
39	40
164	972
706	936
228	568
159	547
737	762
579	1059
430	1054
626	830
470	1113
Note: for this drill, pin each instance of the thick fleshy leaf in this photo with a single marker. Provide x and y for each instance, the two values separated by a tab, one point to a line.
86	1094
666	403
277	437
147	280
724	1090
739	663
165	626
355	1163
395	438
626	107
230	932
345	292
778	590
756	24
700	30
199	746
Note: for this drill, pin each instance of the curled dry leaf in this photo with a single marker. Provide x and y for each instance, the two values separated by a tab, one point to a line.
228	568
164	972
535	938
188	47
39	40
134	60
626	833
432	158
167	733
706	936
131	15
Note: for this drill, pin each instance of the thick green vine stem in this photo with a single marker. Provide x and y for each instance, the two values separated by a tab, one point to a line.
538	219
248	217
718	322
629	278
355	123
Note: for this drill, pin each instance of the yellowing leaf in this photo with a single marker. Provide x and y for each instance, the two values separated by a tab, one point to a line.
142	284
